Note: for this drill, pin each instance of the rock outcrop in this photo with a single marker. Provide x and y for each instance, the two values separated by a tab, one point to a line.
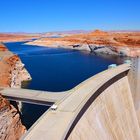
99	33
18	72
3	48
11	127
12	73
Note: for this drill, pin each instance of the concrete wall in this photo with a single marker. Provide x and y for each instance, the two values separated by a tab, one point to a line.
134	80
110	117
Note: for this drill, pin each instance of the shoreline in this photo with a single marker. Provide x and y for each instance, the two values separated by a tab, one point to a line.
98	49
122	44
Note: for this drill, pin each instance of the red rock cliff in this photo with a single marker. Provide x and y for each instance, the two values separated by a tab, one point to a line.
3	48
12	73
11	127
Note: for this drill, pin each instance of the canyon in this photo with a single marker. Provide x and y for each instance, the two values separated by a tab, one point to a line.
12	73
114	43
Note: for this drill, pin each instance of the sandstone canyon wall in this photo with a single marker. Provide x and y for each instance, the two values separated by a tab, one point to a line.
11	127
12	73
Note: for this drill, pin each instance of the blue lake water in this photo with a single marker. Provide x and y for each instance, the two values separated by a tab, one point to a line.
59	69
54	69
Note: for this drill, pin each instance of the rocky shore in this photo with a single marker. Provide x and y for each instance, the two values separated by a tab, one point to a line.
113	43
18	73
12	73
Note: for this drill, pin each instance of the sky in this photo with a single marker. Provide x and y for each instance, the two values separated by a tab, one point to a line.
64	15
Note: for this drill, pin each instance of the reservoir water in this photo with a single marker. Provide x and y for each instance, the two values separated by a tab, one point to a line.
54	69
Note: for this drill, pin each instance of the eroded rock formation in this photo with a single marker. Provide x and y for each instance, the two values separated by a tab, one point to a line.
12	73
18	73
127	44
11	127
3	48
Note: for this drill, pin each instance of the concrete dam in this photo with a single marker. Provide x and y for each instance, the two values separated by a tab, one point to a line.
104	107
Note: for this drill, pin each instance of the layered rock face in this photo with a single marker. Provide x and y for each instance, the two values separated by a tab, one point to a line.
18	73
127	44
12	73
3	48
11	127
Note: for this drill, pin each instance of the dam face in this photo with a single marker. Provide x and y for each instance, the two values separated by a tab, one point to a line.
110	117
